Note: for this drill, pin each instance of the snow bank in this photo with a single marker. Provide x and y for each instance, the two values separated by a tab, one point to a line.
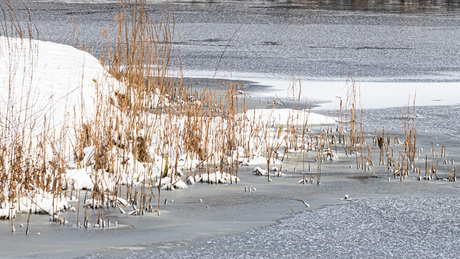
59	80
63	84
288	116
38	201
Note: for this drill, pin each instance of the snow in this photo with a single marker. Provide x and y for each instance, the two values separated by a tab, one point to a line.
326	91
46	82
263	172
255	161
80	179
61	79
217	177
37	201
57	84
288	117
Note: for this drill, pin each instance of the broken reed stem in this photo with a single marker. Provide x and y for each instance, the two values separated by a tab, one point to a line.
293	212
454	177
28	220
304	203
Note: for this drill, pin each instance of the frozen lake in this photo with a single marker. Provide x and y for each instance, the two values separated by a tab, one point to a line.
382	42
384	228
400	47
378	41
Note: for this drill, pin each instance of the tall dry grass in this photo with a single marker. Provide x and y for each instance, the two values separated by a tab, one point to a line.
151	132
31	160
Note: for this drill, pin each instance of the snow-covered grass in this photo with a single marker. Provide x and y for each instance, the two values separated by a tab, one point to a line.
93	126
104	145
72	122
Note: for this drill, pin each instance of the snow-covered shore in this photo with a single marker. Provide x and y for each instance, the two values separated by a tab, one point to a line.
66	87
64	84
58	80
268	201
45	88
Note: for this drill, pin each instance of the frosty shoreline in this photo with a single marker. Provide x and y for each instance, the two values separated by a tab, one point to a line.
69	86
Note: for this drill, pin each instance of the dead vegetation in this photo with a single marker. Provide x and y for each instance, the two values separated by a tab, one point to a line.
151	132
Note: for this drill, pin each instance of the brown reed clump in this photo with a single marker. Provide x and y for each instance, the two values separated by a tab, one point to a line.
149	129
31	160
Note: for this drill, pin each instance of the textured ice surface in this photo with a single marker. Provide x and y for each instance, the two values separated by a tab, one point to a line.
397	227
278	40
441	121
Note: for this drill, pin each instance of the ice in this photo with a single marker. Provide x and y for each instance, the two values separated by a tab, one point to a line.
382	228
